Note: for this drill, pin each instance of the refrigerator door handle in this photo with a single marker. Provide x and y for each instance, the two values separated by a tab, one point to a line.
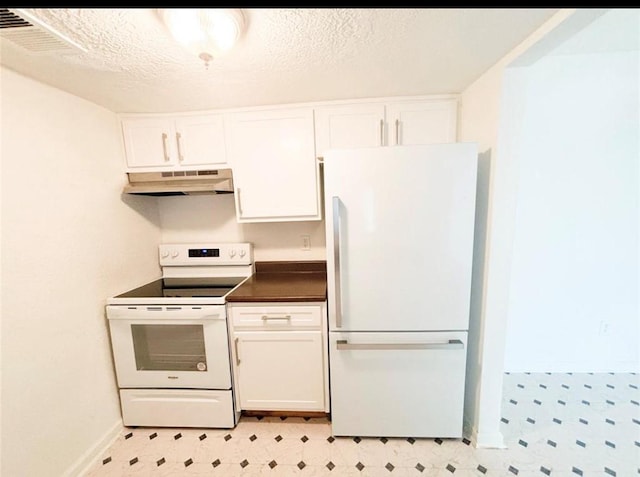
450	344
336	260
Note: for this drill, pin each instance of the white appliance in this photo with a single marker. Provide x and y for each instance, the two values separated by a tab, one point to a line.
400	224
170	338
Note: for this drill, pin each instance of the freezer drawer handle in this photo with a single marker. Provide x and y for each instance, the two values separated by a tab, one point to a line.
451	344
336	260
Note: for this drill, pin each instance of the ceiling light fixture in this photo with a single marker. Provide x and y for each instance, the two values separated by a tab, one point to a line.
208	32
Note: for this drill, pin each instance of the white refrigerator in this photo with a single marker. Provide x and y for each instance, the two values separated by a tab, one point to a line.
399	223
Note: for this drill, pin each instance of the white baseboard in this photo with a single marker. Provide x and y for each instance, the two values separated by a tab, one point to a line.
88	459
572	367
485	440
489	440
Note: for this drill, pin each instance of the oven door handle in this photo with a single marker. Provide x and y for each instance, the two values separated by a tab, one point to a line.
216	317
168	314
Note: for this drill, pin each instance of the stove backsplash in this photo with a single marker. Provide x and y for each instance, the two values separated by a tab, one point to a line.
203	218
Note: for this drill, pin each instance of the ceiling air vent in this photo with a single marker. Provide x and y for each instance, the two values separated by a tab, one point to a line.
33	34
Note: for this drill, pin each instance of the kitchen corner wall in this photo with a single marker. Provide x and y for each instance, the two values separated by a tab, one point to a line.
69	240
211	218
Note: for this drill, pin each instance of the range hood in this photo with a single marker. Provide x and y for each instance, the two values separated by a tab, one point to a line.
219	181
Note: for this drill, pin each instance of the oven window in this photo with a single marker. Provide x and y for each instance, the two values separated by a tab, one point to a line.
169	347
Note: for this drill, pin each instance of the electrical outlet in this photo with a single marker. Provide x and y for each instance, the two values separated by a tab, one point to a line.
604	328
306	242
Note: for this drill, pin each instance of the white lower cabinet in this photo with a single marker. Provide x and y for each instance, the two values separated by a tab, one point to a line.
280	370
279	363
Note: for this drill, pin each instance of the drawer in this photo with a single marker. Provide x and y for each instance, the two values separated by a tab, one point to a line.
276	317
177	408
415	380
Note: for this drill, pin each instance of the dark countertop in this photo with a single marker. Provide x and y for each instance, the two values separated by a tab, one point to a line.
284	282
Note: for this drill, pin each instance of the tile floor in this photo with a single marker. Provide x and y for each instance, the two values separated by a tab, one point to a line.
561	424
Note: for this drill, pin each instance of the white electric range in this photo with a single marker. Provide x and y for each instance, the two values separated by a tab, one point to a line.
170	338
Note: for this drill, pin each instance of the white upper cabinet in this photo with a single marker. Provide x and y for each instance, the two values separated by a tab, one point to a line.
381	123
201	141
149	143
166	143
422	122
275	171
273	152
349	125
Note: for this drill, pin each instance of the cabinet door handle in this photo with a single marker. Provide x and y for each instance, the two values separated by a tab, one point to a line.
450	344
397	132
237	351
164	147
382	132
178	141
239	202
267	318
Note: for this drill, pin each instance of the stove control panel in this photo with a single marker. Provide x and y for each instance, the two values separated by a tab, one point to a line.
193	254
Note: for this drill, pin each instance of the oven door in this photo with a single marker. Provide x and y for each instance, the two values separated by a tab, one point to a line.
170	346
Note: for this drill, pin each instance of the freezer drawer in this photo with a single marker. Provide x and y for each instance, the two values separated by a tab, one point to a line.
397	384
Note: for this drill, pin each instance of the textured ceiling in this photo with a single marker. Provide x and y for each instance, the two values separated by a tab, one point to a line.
284	56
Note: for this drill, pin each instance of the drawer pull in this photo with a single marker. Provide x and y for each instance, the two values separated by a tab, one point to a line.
267	317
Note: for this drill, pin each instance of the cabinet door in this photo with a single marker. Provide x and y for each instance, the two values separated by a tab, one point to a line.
351	125
280	370
422	122
149	143
274	166
200	141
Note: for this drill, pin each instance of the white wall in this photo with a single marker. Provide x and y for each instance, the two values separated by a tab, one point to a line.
480	118
211	218
485	114
1	287
573	299
68	242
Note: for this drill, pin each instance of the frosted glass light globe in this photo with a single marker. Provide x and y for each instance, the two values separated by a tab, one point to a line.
208	33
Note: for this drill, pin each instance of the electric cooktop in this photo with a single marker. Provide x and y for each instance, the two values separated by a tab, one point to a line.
195	290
